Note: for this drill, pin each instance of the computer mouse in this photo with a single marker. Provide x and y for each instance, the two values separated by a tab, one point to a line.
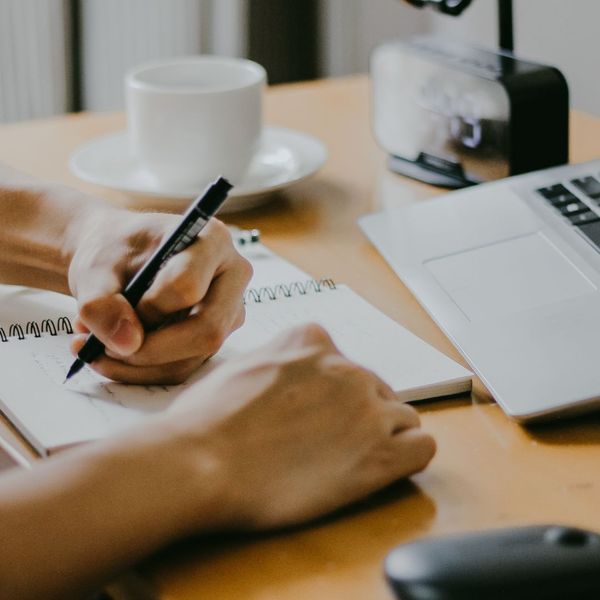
543	562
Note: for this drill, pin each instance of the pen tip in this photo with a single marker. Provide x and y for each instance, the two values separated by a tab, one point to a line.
75	368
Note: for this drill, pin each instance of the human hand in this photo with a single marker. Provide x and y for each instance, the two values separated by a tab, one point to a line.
291	432
194	303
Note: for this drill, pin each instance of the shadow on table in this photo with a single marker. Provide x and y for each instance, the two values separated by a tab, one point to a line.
576	431
358	535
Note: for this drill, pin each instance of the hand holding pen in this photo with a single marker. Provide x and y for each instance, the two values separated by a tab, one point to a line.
206	283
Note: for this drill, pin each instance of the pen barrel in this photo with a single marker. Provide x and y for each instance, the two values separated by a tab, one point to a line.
91	350
193	221
178	242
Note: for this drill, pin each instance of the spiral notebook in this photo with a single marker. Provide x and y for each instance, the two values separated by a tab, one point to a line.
51	415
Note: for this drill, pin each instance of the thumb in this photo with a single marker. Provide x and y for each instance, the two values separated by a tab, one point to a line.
108	315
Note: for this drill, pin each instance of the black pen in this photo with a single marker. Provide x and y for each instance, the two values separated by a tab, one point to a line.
196	217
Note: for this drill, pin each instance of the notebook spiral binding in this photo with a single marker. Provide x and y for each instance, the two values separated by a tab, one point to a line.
287	290
36	328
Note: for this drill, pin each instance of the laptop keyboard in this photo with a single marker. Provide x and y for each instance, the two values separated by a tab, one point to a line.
579	214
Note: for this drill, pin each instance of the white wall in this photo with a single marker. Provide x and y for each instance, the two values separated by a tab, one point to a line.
351	28
228	33
34	75
563	33
33	69
119	34
35	62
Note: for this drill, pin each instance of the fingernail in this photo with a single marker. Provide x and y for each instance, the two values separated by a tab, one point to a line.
125	338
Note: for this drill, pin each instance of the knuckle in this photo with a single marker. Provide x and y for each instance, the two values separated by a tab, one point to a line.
424	449
351	372
221	228
406	416
348	376
429	447
245	267
240	319
185	288
93	308
219	233
411	415
213	336
383	390
313	333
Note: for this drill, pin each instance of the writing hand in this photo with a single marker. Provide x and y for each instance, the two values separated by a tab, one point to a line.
192	306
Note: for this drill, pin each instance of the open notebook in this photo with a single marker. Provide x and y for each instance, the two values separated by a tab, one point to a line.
53	415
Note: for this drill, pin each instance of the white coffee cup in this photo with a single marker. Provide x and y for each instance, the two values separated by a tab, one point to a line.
194	118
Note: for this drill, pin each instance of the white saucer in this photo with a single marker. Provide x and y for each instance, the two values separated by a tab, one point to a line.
285	157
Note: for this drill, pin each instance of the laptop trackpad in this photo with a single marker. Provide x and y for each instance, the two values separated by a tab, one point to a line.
508	276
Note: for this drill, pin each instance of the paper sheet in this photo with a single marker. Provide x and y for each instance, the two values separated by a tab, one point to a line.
52	414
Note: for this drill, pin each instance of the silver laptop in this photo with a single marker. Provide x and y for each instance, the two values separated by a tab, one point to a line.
510	270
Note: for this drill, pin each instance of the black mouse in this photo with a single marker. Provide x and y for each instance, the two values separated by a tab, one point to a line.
546	562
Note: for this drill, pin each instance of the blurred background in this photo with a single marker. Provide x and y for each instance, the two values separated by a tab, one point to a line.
59	56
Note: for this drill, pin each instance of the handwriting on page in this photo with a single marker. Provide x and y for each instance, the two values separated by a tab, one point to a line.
52	414
53	358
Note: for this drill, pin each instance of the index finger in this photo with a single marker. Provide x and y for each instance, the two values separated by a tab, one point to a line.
187	276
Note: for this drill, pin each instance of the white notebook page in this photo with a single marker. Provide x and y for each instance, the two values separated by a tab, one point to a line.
413	368
52	414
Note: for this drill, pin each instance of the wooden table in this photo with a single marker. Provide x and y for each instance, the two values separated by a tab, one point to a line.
488	472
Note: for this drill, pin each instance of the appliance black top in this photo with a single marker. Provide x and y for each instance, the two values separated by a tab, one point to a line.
480	62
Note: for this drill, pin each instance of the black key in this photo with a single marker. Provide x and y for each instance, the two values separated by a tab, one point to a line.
582	218
574	208
562	200
592	232
589	185
553	190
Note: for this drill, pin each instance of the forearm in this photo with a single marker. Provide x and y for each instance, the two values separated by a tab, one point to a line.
79	519
40	227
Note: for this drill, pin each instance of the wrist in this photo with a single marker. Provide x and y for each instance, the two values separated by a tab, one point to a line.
100	508
170	476
42	228
86	214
